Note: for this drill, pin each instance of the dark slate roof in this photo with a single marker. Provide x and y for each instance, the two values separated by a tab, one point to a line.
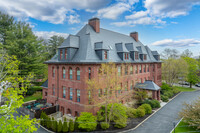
86	47
100	46
120	47
45	84
147	85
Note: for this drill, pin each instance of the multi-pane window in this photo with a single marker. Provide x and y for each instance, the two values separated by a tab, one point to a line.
89	97
105	54
53	72
70	93
136	69
136	56
131	86
54	91
65	53
131	69
126	87
61	54
78	94
70	73
100	92
89	73
145	57
147	67
119	70
144	68
77	73
140	68
63	73
64	92
126	56
126	70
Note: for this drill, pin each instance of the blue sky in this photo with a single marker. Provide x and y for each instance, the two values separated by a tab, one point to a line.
160	23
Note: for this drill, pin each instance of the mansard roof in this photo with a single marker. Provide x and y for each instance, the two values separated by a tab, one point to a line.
87	41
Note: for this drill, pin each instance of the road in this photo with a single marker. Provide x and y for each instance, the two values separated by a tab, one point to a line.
162	121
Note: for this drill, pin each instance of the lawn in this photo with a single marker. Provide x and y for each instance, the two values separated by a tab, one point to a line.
184	88
184	127
37	95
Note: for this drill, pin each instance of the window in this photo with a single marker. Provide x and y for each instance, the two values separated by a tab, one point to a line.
145	57
53	72
54	91
148	68
78	94
105	54
131	69
136	69
64	92
64	72
126	87
77	73
65	54
89	97
89	73
126	70
71	94
140	68
144	68
131	86
136	56
70	73
105	91
100	92
119	70
126	56
61	54
45	93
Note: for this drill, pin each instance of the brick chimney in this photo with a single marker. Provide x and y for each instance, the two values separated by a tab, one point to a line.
95	23
134	35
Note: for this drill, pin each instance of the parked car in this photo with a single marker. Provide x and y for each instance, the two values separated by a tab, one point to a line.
183	83
198	85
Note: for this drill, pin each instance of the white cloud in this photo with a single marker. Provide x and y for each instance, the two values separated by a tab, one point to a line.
53	11
137	15
174	22
47	35
176	43
74	19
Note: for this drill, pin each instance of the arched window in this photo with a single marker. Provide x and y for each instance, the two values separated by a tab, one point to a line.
89	73
68	111
64	73
53	72
70	73
77	73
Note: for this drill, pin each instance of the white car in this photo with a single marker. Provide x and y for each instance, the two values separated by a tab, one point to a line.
198	85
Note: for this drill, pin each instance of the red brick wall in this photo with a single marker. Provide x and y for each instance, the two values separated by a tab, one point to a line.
58	82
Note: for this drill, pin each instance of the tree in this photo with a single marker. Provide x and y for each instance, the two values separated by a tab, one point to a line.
60	126
65	126
190	113
71	125
170	53
87	121
186	53
109	78
192	76
173	69
140	94
9	82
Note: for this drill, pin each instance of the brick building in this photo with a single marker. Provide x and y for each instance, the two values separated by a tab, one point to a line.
79	58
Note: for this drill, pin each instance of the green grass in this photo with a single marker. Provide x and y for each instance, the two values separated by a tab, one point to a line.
184	88
184	127
37	95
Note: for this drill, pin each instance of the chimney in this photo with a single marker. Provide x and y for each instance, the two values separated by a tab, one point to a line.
134	35
95	23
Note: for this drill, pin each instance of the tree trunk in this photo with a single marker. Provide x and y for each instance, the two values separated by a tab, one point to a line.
111	110
190	85
106	111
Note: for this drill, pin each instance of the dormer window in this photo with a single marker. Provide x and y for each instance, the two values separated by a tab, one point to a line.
105	54
65	53
61	54
145	57
126	56
136	56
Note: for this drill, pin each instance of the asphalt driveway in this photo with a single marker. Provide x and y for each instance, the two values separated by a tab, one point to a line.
162	121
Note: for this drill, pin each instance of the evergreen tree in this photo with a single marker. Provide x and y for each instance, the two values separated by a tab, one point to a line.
65	126
71	125
60	126
76	124
48	122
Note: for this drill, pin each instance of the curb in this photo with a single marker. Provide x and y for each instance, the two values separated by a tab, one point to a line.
149	116
176	125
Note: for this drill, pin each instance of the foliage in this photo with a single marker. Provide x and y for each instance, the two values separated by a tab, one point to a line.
140	94
185	127
54	125
153	103
76	124
71	125
60	126
179	88
147	108
105	125
131	112
190	112
164	98
48	122
31	90
65	126
140	112
35	96
87	121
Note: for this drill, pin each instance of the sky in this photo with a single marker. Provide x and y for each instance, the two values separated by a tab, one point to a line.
160	23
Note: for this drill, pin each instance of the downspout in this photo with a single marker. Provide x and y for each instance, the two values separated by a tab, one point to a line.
57	87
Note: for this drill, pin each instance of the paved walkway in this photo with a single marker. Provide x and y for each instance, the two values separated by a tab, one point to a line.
162	121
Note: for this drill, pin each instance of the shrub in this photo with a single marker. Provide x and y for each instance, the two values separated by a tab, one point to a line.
152	103
147	108
87	121
131	112
169	94
105	125
76	124
65	126
175	90
59	129
140	112
71	125
48	122
164	98
52	122
54	125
